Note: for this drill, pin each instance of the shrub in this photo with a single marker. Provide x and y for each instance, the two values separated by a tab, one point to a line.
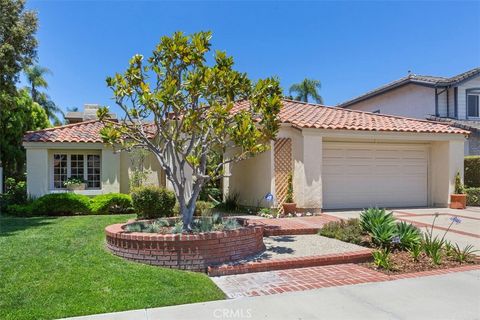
19	210
415	251
473	196
372	217
463	255
459	187
409	235
210	193
289	196
61	204
433	248
348	231
203	208
15	193
231	202
153	202
381	258
111	203
472	171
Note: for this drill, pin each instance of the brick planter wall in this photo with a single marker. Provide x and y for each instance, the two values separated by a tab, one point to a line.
188	252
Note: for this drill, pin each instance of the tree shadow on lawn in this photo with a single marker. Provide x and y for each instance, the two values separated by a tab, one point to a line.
10	225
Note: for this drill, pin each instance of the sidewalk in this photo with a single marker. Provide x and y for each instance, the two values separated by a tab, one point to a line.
450	296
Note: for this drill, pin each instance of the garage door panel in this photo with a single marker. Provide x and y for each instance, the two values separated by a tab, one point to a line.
363	175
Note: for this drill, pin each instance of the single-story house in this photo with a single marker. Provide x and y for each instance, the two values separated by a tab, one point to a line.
339	158
342	158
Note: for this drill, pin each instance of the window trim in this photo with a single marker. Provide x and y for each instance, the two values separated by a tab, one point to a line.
69	154
472	92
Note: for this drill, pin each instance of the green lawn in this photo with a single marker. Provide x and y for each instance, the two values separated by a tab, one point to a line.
59	267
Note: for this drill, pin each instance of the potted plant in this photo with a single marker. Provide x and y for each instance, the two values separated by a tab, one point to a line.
458	200
74	184
289	207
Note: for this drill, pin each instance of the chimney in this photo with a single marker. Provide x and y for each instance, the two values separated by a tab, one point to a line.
89	113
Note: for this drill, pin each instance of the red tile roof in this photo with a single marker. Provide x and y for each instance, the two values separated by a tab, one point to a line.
298	114
306	115
88	131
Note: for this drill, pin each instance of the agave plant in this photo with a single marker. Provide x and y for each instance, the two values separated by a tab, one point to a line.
372	217
408	234
381	258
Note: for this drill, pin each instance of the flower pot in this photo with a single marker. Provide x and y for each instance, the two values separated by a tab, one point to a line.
76	186
289	208
458	201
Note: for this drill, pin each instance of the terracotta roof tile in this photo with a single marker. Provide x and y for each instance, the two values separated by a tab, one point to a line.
299	114
87	131
306	115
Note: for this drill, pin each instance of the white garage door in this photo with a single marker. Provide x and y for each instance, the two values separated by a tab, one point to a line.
360	175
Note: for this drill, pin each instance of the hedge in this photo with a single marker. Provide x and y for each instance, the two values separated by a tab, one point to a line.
473	196
59	204
472	171
153	202
111	203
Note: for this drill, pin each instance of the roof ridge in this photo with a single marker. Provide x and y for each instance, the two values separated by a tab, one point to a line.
69	125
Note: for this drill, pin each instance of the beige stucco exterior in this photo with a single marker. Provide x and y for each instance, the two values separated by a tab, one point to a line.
253	178
115	167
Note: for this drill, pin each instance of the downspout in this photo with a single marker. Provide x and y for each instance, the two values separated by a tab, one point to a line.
448	104
436	102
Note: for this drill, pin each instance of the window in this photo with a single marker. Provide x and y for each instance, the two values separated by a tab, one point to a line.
59	170
81	166
93	176
473	105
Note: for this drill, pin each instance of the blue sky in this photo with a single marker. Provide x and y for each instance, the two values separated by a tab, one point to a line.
351	47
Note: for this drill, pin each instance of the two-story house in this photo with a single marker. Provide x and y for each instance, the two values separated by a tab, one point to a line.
455	100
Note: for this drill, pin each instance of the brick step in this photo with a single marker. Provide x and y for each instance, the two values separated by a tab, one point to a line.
290	263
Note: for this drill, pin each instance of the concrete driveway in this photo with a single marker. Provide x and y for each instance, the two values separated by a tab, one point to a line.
450	296
464	233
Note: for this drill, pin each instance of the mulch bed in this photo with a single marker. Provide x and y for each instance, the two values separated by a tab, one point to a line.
403	263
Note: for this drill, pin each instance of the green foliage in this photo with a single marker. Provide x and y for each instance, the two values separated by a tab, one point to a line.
191	102
211	194
289	195
20	210
153	202
305	89
61	204
432	246
381	258
348	231
18	114
111	203
268	213
409	235
18	45
15	192
372	217
459	187
415	250
473	196
472	171
138	172
232	202
383	234
72	181
203	208
463	255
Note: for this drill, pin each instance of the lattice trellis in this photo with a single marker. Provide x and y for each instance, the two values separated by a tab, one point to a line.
283	166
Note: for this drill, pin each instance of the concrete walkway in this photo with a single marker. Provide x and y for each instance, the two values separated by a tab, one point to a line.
449	296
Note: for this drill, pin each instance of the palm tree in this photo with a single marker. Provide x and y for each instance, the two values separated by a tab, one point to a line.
305	89
36	79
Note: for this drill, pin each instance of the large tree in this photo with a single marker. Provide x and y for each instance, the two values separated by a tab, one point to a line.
180	108
36	79
17	50
306	89
23	115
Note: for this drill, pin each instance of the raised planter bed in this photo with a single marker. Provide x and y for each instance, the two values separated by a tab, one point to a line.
193	252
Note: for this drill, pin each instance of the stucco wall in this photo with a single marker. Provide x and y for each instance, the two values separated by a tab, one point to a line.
472	146
155	175
37	172
251	179
409	101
